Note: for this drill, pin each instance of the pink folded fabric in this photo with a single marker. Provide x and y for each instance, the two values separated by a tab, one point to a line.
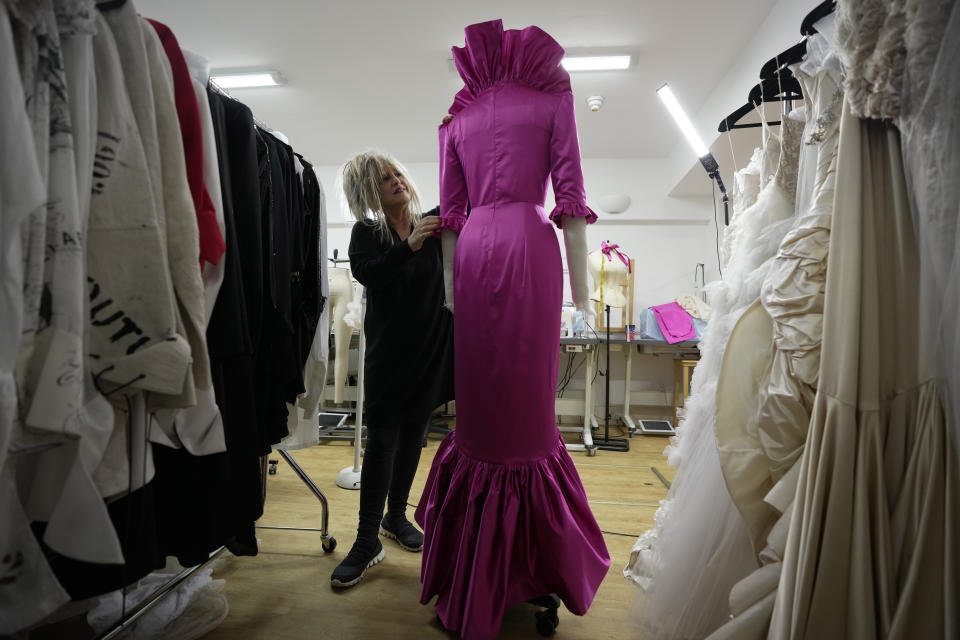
675	323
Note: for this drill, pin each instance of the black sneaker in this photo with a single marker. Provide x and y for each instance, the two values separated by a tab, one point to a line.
361	557
401	530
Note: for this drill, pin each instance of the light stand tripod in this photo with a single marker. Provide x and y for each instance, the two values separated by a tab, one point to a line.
713	171
607	443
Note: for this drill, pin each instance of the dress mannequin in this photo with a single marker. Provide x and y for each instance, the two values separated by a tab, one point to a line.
612	272
513	128
341	294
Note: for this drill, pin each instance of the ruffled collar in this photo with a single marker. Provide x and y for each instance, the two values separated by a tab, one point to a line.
492	56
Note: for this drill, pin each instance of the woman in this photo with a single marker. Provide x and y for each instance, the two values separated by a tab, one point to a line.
408	366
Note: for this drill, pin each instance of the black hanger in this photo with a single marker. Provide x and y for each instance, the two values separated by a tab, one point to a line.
107	5
782	85
730	122
793	55
821	10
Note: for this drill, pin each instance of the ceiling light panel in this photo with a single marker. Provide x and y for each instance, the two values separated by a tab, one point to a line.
247	79
596	63
683	122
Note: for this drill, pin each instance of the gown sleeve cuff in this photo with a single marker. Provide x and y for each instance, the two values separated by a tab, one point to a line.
455	223
574	209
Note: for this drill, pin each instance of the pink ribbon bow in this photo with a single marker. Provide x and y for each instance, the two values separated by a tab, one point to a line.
607	248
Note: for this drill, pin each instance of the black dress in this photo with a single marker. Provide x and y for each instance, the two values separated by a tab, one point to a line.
408	366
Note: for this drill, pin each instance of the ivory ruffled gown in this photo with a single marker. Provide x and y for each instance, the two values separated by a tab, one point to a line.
770	372
699	547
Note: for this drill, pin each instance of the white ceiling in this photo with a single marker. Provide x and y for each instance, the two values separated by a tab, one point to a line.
376	73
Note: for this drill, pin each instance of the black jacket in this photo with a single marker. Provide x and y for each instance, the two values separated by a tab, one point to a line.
408	369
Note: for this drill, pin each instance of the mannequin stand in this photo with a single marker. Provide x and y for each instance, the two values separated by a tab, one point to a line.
349	477
607	443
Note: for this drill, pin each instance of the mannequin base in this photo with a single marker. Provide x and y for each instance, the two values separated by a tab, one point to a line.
349	478
612	444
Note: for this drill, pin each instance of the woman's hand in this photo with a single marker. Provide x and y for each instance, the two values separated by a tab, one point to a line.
422	231
447	118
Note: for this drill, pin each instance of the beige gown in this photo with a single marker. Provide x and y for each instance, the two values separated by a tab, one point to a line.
871	545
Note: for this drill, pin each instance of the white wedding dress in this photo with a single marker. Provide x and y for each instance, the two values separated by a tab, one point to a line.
770	370
699	548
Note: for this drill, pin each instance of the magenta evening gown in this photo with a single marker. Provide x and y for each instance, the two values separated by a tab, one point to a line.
504	512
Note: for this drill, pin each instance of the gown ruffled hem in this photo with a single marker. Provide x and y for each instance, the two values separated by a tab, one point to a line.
499	534
574	210
493	56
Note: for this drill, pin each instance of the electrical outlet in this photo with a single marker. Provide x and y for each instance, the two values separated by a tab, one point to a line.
573	348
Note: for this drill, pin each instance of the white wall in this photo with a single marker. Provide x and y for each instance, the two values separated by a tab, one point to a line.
666	236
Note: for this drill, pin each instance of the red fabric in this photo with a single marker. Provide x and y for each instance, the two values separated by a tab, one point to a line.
212	245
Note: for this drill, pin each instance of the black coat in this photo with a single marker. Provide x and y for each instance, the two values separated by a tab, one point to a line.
408	368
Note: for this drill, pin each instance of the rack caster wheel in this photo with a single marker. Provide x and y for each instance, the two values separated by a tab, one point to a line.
547	622
591	451
272	470
329	543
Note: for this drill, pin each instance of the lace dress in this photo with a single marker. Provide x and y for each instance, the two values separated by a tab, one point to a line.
746	188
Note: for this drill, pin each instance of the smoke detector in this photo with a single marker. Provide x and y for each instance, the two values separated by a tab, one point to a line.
595	102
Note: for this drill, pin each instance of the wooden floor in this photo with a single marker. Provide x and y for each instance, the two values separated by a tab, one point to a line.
284	592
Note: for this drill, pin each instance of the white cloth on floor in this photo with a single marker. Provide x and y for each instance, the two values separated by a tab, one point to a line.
194	608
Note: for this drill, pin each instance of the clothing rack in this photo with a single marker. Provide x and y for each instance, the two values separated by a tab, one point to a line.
226	94
328	542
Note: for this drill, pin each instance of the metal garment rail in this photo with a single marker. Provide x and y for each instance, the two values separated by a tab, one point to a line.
328	542
121	625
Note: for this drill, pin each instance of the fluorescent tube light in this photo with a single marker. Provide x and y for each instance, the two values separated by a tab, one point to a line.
596	63
247	79
682	121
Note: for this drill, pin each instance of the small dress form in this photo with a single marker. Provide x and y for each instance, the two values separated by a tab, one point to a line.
341	294
609	279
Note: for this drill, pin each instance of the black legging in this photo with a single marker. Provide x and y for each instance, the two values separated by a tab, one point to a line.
389	465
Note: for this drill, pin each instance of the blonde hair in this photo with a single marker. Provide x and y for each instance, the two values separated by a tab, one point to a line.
361	178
